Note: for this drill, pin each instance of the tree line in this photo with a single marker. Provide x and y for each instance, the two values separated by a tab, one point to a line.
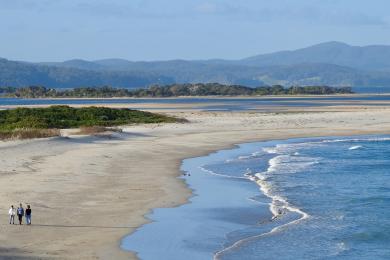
173	90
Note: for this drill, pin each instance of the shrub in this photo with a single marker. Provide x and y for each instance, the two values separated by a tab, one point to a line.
23	122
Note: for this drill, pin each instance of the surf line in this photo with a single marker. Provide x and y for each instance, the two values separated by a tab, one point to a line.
220	175
277	203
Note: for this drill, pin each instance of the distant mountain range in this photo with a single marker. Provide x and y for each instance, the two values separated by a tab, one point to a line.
375	57
331	63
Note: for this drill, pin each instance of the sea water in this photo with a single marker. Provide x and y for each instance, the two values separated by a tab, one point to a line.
318	198
211	104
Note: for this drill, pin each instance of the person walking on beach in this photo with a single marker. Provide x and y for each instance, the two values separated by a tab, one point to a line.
28	215
12	213
20	212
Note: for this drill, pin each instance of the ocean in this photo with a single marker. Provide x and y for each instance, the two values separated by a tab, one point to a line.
262	104
313	198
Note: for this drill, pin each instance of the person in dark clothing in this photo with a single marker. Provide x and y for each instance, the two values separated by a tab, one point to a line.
20	212
28	215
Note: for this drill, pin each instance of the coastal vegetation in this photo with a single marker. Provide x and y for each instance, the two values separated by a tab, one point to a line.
44	122
173	90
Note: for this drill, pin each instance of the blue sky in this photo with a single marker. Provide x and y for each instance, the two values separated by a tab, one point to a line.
53	30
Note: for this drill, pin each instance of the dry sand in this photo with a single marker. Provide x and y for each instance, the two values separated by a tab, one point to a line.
88	192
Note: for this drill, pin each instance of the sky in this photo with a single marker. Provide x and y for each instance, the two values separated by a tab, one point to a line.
57	30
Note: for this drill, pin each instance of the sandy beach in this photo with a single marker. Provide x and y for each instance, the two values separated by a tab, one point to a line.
88	192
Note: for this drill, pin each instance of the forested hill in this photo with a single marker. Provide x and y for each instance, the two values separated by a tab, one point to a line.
174	90
331	64
144	74
13	73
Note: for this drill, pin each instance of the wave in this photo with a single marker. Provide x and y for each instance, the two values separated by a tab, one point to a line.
283	163
375	139
220	175
245	157
355	147
280	148
292	147
288	160
251	156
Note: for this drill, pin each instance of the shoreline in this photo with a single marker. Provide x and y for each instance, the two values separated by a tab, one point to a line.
176	213
165	146
233	146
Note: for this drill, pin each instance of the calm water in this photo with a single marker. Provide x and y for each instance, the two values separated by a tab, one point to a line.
372	90
322	198
229	104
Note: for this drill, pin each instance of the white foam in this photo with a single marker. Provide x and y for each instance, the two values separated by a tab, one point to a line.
277	203
285	163
257	153
355	147
252	155
271	150
244	157
340	248
220	175
281	164
292	147
375	139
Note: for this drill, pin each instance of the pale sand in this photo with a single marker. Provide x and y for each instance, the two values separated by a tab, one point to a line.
87	194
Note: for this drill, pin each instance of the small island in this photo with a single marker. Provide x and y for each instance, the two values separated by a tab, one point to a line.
22	123
174	90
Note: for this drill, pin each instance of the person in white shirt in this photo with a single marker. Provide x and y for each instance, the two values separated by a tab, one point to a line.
12	213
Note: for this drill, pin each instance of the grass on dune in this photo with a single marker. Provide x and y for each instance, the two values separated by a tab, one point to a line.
44	122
